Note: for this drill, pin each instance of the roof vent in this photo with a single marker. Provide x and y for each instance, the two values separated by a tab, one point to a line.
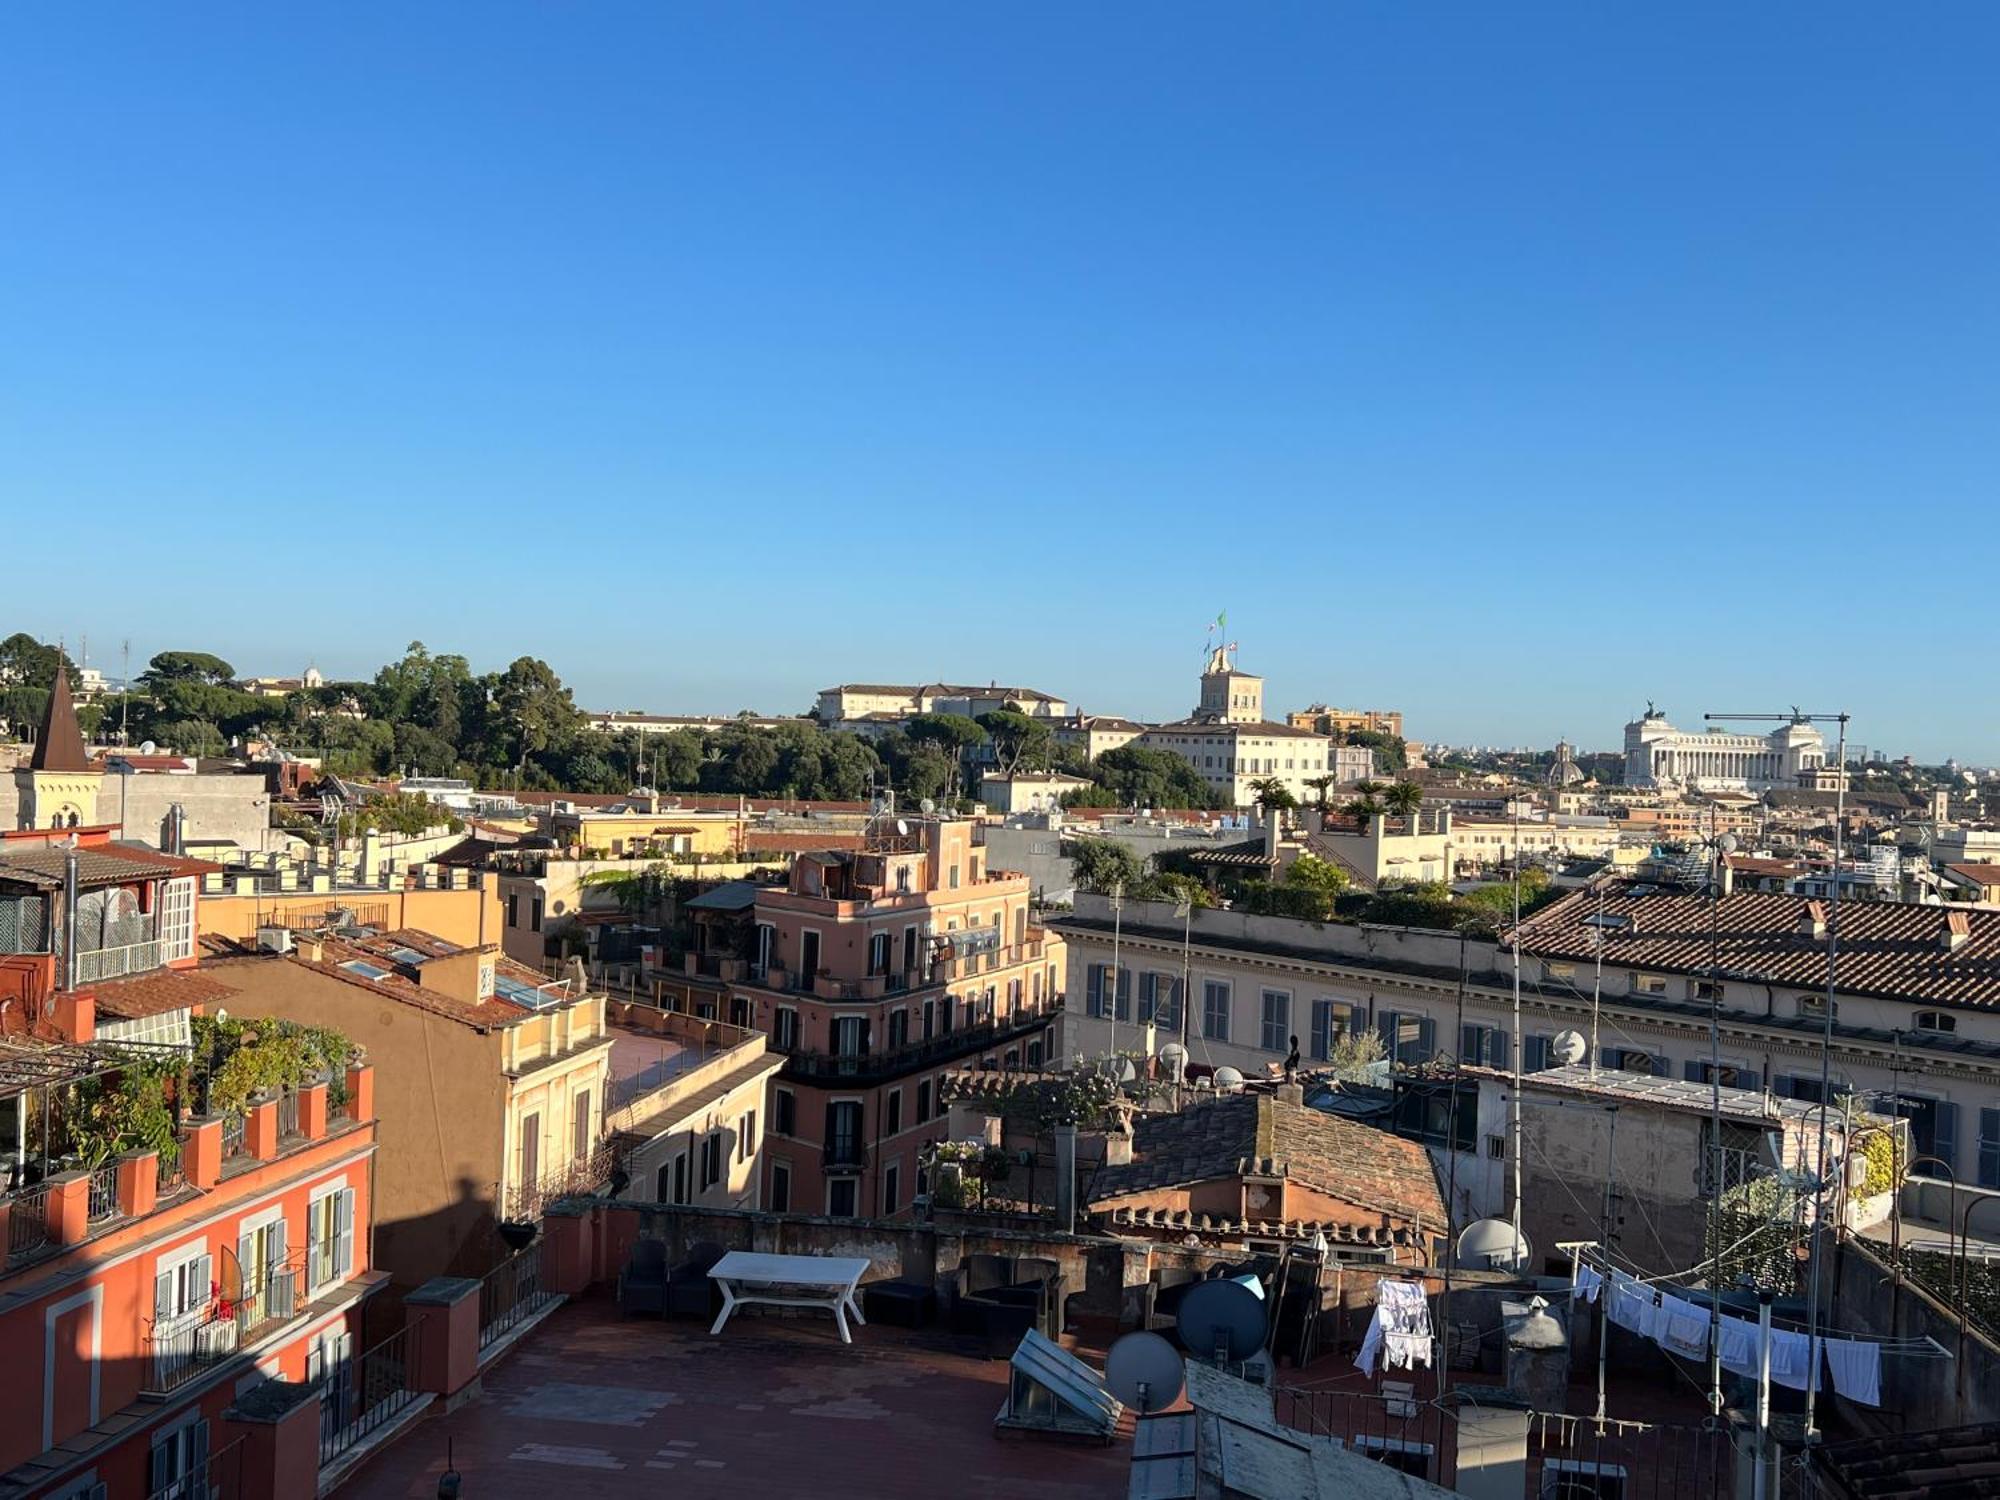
1812	921
1957	930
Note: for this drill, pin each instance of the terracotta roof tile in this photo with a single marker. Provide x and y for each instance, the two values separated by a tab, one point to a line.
1260	1135
1893	949
157	993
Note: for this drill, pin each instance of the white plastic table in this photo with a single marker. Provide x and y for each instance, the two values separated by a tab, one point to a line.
827	1281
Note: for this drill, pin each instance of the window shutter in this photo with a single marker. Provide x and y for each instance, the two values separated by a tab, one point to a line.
1500	1046
200	1279
163	1296
1534	1054
1989	1148
198	1446
246	1262
316	1238
1945	1136
1661	1066
867	1035
343	1232
1093	990
1426	1038
1386	1022
1322	1029
1692	1072
159	1466
1470	1040
1123	994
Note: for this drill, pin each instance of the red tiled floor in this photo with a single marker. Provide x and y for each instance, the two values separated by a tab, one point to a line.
592	1404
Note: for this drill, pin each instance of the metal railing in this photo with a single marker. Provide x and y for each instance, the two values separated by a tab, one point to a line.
28	1221
585	1175
183	1347
273	1299
215	1476
232	1136
844	1153
104	1193
288	1114
964	1041
363	1395
510	1293
94	964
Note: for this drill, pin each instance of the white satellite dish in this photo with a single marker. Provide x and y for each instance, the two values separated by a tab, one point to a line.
928	806
1144	1371
148	748
902	826
1492	1245
1569	1048
1173	1060
1229	1080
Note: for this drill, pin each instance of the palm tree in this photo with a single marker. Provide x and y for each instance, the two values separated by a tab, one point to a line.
1320	786
1366	805
1273	793
1405	797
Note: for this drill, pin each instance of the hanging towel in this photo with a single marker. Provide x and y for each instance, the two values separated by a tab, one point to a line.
1655	1323
1587	1282
1789	1365
1630	1303
1857	1369
1739	1347
1403	1315
1686	1328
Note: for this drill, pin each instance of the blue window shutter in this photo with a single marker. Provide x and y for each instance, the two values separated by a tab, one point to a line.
1661	1066
1609	1057
1534	1053
1124	995
1426	1038
1693	1073
1500	1045
1989	1148
1469	1048
1322	1029
1386	1022
1947	1133
1093	990
1357	1021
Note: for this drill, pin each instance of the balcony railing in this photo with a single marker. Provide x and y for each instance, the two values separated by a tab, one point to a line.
28	1222
288	1114
844	1153
511	1293
215	1476
232	1136
183	1347
815	1066
273	1299
365	1394
586	1174
104	1194
114	963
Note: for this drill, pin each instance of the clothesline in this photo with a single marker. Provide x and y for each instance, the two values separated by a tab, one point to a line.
1915	1346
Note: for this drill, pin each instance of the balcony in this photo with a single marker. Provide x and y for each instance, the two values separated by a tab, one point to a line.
718	966
582	1177
866	1067
844	1154
182	1349
95	964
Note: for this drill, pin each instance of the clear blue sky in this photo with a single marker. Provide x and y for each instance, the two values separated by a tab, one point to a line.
1511	364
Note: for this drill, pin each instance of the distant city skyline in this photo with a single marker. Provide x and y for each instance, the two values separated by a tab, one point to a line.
1509	366
704	693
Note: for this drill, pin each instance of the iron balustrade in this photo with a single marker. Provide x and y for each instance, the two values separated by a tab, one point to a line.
273	1298
966	1040
288	1114
183	1347
511	1293
28	1221
362	1395
214	1476
104	1193
232	1136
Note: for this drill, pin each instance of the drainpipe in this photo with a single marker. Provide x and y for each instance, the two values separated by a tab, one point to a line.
68	968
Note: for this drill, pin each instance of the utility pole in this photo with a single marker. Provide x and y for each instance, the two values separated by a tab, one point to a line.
1826	1034
1515	1145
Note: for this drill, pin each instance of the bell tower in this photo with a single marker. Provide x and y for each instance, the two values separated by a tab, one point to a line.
58	787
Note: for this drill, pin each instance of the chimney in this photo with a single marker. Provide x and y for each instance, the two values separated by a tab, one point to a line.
1957	930
1812	921
1727	877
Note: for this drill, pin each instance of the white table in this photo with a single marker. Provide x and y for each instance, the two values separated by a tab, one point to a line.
827	1281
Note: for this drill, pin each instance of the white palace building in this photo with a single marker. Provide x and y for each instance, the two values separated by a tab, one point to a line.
1657	755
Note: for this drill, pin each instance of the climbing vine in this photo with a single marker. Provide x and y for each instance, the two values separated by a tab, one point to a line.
246	1058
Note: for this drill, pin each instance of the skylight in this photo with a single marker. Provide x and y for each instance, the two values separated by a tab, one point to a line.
408	955
365	969
520	992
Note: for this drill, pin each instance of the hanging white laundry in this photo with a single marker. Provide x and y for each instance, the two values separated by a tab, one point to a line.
1789	1365
1586	1283
1654	1325
1685	1328
1405	1351
1402	1313
1739	1347
1630	1305
1857	1369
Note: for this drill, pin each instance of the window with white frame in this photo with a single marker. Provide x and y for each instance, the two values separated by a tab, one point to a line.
329	1236
176	919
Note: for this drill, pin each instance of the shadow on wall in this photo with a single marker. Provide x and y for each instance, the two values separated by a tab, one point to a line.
460	1239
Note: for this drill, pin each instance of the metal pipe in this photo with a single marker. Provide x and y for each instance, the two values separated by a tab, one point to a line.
1763	1460
1519	1258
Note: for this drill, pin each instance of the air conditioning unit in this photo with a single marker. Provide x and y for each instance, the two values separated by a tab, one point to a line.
274	940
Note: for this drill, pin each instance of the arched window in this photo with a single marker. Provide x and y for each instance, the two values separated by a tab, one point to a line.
1936	1020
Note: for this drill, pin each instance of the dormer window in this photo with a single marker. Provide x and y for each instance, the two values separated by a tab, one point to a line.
1815	1006
1939	1022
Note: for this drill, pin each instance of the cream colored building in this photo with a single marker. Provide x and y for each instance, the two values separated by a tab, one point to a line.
1231	745
687	1113
1094	734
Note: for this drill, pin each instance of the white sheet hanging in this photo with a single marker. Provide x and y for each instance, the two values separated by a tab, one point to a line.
1402	1320
1857	1369
1586	1282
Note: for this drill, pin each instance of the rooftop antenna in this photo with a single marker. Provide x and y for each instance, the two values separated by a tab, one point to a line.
1826	1026
125	696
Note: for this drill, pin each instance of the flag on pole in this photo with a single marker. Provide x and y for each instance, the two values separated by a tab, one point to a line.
1221	622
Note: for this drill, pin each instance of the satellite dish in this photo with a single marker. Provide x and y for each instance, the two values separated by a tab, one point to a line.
1121	1069
1229	1080
928	806
1173	1058
148	747
902	826
1492	1245
1144	1371
1223	1320
1569	1048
